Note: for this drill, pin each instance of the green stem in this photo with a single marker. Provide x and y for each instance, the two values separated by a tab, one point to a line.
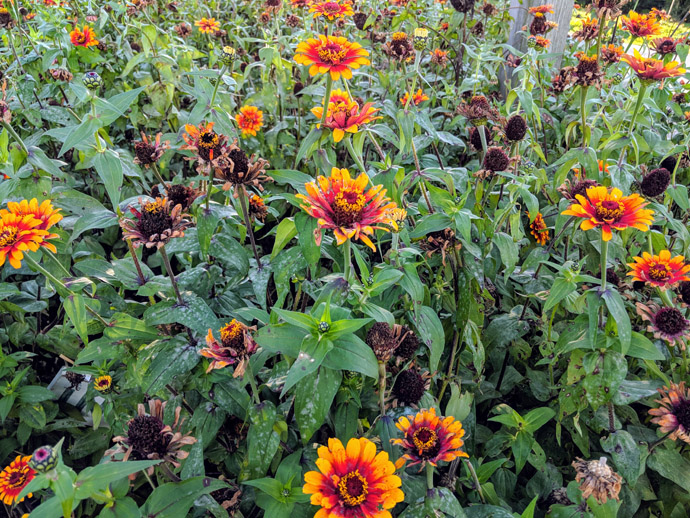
245	212
429	476
168	267
664	296
640	98
327	99
382	388
601	33
157	174
249	376
215	88
477	485
485	146
15	136
604	254
583	115
347	257
355	156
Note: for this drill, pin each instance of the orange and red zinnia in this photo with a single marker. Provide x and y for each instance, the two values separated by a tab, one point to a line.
652	69
344	115
19	234
250	120
538	229
353	481
83	38
673	414
342	204
541	10
610	210
208	25
417	98
331	54
640	25
332	10
14	478
660	270
45	212
430	438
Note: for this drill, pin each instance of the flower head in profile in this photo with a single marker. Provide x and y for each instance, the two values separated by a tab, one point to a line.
650	69
353	481
148	151
541	10
430	438
439	57
155	224
665	323
662	271
332	10
19	234
344	115
250	120
417	98
399	47
538	229
597	480
208	25
83	38
588	31
640	25
611	53
148	437
343	204
610	210
238	170
235	347
14	478
673	413
334	55
665	46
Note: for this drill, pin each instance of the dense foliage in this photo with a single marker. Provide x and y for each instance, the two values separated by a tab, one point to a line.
342	260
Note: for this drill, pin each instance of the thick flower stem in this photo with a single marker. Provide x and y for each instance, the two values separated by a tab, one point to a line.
168	267
376	145
482	137
347	258
140	274
327	99
208	191
382	388
640	98
583	115
215	88
245	212
602	22
451	364
663	295
249	376
475	478
157	174
422	181
429	476
604	254
14	135
355	156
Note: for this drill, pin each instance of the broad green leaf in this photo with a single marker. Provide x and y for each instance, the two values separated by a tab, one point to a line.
314	396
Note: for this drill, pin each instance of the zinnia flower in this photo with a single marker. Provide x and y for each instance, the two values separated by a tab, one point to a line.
148	151
250	120
439	57
340	203
208	25
236	169
660	270
157	223
610	210
429	438
640	25
14	478
597	479
332	10
148	437
673	414
331	54
103	383
203	140
611	53
539	229
235	347
652	69
666	323
665	45
353	481
19	234
417	98
83	38
588	31
344	115
541	10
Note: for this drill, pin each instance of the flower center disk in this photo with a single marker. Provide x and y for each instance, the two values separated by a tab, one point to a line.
609	210
353	488
8	236
425	439
332	53
348	206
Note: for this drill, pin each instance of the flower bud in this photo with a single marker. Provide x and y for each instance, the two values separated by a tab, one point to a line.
420	38
93	81
44	459
227	55
324	327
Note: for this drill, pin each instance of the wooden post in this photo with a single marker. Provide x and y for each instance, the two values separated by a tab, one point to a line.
519	11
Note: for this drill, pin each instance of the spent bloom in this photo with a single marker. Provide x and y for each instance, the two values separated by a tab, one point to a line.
334	55
609	209
155	224
665	323
235	347
343	204
597	480
673	413
353	481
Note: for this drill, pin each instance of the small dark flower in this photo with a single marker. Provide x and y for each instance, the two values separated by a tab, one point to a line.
655	182
489	9
148	151
297	89
513	61
612	277
381	340
235	347
61	74
6	21
184	30
462	6
157	223
516	128
182	195
538	26
665	323
407	340
587	71
360	19
238	170
611	53
665	45
684	291
478	29
292	21
400	47
558	496
581	188
409	387
75	379
265	18
475	138
257	207
496	160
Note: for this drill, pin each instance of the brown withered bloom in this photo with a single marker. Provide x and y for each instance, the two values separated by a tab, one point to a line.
516	128
476	139
597	479
440	241
148	151
655	182
439	57
149	438
489	9
478	111
561	81
381	340
61	74
229	498
237	170
496	160
409	387
292	21
673	413
360	19
407	341
257	207
587	71
6	21
570	191
462	6
235	347
611	53
588	31
609	8
157	223
478	29
665	45
184	30
179	194
400	47
513	61
265	18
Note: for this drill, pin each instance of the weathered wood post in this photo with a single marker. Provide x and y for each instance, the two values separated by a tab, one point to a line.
519	11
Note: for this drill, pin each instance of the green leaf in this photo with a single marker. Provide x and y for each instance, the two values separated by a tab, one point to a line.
262	438
314	396
97	478
309	359
174	499
308	145
194	313
537	418
640	347
122	508
284	233
625	454
306	322
671	465
521	447
614	303
431	332
509	252
75	309
352	354
306	225
109	169
125	327
487	511
561	289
